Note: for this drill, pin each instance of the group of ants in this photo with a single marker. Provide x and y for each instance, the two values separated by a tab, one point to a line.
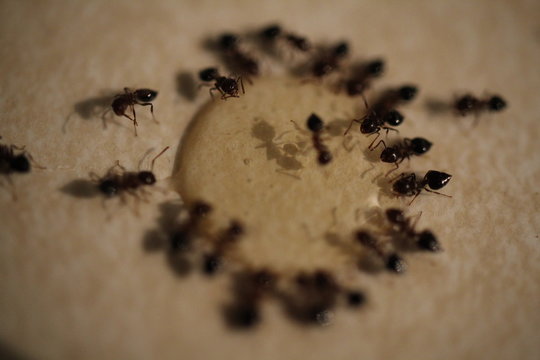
318	291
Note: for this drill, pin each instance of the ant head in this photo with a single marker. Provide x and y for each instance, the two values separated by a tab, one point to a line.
496	103
211	264
396	264
108	187
271	32
365	238
420	145
228	41
405	185
427	241
356	298
341	50
324	157
145	95
147	177
314	123
389	155
235	228
229	85
395	216
393	118
208	74
437	180
20	164
407	92
375	68
200	209
369	125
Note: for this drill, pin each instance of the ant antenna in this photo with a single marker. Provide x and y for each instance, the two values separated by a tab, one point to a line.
158	155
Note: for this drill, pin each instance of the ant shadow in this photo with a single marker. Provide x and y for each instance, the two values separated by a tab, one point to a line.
92	108
438	107
80	188
8	353
186	85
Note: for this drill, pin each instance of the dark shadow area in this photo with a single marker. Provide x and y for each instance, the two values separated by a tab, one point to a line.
186	85
80	188
437	106
8	353
92	108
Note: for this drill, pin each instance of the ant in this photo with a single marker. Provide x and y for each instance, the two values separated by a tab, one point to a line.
404	228
274	32
181	239
239	60
212	261
129	99
392	260
394	97
359	82
316	125
408	185
227	86
115	183
469	104
15	163
403	150
329	61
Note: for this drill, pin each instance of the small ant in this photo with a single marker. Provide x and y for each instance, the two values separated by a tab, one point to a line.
227	86
316	125
395	97
403	150
404	228
181	239
236	57
469	104
212	261
15	163
359	82
408	185
129	99
116	183
274	32
330	60
392	260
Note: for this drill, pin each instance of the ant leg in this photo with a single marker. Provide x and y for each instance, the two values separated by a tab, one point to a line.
151	110
103	119
158	155
389	128
350	125
371	148
394	169
378	132
415	196
34	162
20	148
438	193
211	93
94	177
134	123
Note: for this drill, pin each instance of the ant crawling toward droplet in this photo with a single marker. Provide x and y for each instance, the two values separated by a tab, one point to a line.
469	104
274	33
213	260
316	126
129	99
403	231
362	77
227	86
397	153
238	60
117	182
408	185
329	60
392	260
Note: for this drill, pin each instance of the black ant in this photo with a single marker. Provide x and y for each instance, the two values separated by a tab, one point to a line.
15	163
359	82
129	99
273	33
469	104
316	125
234	55
227	86
403	227
403	150
392	260
181	239
115	182
395	97
212	261
330	60
408	185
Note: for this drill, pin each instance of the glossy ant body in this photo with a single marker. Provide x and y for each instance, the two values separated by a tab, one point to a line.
409	185
273	33
330	60
227	86
392	260
143	97
404	229
115	182
316	126
404	150
236	57
359	82
468	104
